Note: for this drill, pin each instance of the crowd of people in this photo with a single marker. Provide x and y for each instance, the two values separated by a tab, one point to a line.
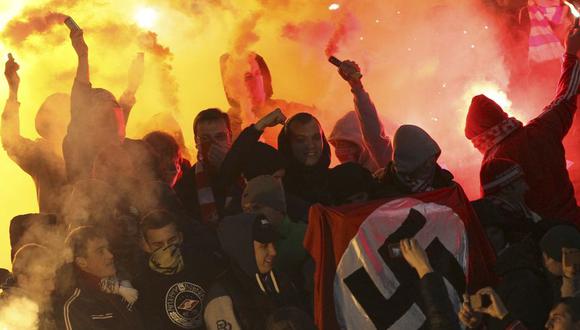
132	235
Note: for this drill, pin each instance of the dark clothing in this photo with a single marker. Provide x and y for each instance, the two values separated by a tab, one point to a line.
309	183
176	301
94	124
523	287
88	308
390	186
36	158
438	308
186	190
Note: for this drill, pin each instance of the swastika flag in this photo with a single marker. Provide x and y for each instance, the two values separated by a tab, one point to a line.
357	285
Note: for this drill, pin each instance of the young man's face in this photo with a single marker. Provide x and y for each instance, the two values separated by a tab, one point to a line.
560	319
306	142
213	140
553	266
254	82
98	260
162	237
265	254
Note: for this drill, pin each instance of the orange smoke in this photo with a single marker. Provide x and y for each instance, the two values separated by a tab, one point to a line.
246	36
148	42
37	21
345	26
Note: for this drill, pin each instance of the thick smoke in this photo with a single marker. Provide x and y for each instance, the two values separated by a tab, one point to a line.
17	31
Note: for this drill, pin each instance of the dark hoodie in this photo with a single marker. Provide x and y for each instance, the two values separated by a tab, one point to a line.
309	183
413	148
242	296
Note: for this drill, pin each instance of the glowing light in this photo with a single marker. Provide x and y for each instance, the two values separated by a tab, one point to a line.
491	90
444	85
573	9
362	38
334	6
486	27
472	46
145	17
398	12
377	21
409	49
464	31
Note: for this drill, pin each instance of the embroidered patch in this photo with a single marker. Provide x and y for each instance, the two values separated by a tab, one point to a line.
184	305
223	325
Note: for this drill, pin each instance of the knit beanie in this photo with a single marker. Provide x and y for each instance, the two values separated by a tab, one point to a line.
349	179
483	114
559	237
412	148
498	173
265	190
262	159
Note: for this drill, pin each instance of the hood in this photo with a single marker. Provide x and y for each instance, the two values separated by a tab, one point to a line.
293	165
264	70
483	114
412	147
347	128
235	234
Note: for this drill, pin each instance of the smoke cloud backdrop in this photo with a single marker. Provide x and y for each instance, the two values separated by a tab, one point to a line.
422	62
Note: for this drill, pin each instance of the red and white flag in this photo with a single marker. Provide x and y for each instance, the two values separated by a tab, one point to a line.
359	286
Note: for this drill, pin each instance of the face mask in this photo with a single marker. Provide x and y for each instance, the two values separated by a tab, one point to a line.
167	260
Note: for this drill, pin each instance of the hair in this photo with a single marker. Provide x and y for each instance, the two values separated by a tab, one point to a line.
29	255
301	118
163	144
211	114
157	219
573	305
78	239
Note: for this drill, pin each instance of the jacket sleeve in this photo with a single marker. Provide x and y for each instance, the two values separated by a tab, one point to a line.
18	148
219	314
440	313
373	132
232	165
74	317
557	117
77	148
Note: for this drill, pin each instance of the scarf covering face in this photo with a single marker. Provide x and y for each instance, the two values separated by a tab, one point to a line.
167	260
420	180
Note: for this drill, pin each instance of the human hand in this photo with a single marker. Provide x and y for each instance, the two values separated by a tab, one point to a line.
272	119
136	72
416	256
350	72
216	154
11	74
78	43
570	269
467	316
497	308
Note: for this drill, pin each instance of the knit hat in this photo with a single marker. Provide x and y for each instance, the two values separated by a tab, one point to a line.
349	179
262	159
265	190
412	148
559	237
483	114
498	173
263	231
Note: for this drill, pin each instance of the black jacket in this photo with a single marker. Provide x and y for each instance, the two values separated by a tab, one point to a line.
437	306
88	308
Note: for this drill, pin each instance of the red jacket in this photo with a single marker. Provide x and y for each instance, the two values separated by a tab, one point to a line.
538	148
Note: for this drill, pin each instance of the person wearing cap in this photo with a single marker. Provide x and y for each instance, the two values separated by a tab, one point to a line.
350	183
251	290
556	245
536	147
265	195
414	167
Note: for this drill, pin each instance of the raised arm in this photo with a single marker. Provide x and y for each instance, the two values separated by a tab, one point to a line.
373	132
19	148
135	78
558	116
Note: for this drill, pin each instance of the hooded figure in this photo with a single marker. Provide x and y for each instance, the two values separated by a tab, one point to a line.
308	182
248	86
347	129
414	168
245	296
536	147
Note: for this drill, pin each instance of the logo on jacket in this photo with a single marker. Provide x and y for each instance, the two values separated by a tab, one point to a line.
184	305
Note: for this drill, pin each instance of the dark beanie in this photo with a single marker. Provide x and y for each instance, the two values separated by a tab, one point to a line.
262	159
483	114
559	237
348	179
